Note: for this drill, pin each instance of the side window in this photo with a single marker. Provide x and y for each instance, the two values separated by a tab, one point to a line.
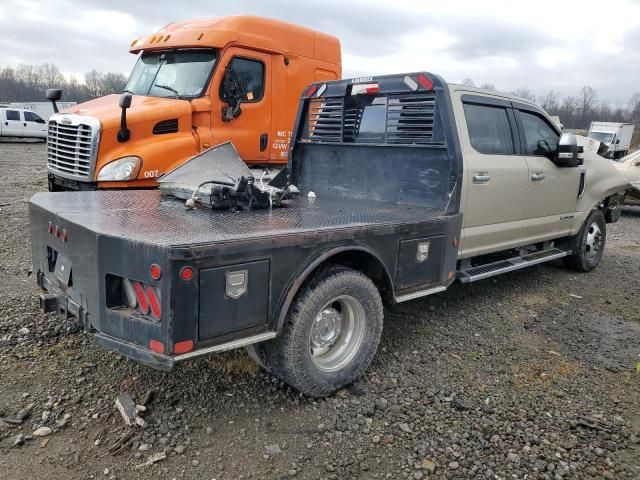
489	129
244	77
539	137
32	117
13	115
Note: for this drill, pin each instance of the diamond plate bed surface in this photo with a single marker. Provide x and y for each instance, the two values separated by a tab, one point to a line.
148	216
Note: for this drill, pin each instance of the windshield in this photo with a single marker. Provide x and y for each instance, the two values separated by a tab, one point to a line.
177	73
601	136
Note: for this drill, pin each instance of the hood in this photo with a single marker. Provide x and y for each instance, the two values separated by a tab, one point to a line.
143	109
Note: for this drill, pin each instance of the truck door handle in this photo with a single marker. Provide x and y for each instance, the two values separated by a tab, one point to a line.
481	178
537	177
264	140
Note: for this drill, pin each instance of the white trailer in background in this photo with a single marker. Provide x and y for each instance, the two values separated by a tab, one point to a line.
616	136
43	109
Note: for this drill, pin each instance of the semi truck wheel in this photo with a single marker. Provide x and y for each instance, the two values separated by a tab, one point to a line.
331	333
589	244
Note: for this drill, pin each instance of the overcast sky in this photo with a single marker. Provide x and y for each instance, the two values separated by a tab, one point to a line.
541	44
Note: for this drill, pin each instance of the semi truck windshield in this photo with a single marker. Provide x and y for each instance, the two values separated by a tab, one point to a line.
178	73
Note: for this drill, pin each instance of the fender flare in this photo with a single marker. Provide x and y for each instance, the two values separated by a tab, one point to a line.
298	279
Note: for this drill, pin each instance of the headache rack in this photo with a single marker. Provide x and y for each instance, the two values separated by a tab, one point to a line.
399	118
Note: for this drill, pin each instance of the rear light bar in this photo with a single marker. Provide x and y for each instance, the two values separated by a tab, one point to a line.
365	88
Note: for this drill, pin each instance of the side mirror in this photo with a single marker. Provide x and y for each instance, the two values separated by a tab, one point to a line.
125	102
54	95
567	154
618	142
232	93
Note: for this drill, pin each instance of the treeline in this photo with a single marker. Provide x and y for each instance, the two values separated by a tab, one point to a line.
29	83
578	111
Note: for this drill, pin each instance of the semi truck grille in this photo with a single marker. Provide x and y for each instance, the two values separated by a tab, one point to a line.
71	146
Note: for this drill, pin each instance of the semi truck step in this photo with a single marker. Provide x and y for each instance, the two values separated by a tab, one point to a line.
480	272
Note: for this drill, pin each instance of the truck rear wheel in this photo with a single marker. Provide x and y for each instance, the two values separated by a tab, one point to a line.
589	244
331	333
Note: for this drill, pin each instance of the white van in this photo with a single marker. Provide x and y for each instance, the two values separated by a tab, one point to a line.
17	122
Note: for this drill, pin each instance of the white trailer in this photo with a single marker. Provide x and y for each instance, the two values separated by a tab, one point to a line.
43	109
616	136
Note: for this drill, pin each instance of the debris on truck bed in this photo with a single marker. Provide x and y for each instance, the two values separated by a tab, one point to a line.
219	179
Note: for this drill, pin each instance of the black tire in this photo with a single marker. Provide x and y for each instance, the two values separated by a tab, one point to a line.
290	354
589	244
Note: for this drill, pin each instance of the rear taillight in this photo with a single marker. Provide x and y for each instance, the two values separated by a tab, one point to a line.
56	231
49	227
155	271
186	273
63	235
154	301
143	304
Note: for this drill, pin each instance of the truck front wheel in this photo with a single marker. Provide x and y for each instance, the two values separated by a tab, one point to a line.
331	333
589	244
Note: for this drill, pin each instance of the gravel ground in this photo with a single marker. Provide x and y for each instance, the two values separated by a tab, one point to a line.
529	375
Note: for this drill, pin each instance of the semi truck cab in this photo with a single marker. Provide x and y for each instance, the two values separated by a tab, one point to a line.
195	84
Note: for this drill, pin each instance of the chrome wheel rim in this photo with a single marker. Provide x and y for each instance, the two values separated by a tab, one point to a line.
337	333
594	240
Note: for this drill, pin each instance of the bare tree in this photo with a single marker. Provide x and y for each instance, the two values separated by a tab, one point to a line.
467	82
551	101
525	93
488	86
588	98
113	82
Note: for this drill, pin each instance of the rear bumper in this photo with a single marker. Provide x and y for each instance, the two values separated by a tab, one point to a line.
135	352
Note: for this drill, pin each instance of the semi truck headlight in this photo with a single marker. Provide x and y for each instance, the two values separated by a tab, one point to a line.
126	168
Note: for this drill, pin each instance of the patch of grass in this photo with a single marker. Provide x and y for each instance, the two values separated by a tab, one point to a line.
236	362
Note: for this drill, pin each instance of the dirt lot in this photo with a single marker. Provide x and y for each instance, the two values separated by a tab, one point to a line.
529	375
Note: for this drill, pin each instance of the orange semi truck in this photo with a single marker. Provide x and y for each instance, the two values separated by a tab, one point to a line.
195	84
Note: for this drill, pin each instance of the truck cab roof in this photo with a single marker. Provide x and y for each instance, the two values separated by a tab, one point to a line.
218	32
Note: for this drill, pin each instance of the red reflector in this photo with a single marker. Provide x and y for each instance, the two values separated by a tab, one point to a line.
156	346
154	302
143	304
56	231
155	271
63	235
49	227
425	81
311	89
373	89
183	347
186	273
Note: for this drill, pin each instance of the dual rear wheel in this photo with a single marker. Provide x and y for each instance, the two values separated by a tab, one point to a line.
330	334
